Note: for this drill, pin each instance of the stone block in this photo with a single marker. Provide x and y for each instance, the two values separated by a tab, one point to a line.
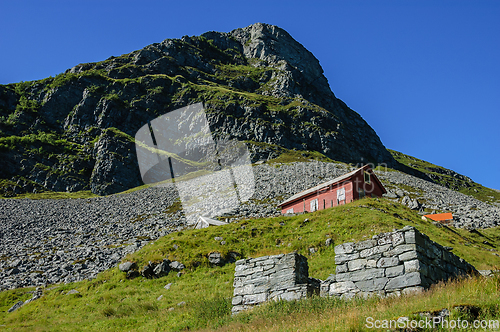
356	264
410	237
237	300
412	266
407	256
388	262
241	262
285	273
342	258
349	295
265	262
240	267
413	290
366	274
343	276
397	238
371	263
372	285
257	281
400	249
281	285
273	295
396	293
248	271
394	271
365	245
268	267
341	268
406	280
375	257
375	250
339	288
239	291
269	271
437	251
248	289
324	287
345	248
421	239
384	239
254	298
292	295
263	258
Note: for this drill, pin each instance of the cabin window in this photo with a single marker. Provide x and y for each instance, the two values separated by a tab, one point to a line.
314	205
367	177
340	194
361	192
289	210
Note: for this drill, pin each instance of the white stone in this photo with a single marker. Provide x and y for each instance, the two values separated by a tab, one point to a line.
342	287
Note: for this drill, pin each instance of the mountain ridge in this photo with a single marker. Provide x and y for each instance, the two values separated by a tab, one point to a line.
75	131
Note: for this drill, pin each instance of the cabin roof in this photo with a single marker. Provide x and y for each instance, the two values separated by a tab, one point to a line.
439	216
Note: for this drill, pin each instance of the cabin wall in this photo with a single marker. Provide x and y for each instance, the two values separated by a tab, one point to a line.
355	188
326	198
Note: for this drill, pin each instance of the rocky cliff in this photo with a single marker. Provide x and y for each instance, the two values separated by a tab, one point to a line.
75	131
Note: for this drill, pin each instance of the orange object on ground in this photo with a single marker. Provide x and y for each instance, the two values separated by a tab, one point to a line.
440	216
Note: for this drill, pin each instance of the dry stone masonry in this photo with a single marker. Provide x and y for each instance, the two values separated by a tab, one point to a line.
395	263
279	277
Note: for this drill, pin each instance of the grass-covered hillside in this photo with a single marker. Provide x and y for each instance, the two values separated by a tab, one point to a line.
446	177
201	297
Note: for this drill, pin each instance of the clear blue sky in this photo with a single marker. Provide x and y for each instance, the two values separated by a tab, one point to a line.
424	74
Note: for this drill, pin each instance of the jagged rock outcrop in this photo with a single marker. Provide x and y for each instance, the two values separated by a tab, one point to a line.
75	131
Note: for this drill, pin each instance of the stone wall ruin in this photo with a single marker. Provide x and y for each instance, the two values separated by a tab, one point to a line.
394	263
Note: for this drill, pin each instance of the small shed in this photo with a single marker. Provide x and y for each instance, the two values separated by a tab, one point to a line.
344	189
204	222
443	218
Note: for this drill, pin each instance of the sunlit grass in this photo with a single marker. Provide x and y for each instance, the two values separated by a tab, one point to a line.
110	302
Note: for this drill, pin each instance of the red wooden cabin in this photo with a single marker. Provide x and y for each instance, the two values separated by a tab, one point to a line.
342	190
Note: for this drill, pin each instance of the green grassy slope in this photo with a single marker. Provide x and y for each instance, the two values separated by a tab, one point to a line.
110	302
448	178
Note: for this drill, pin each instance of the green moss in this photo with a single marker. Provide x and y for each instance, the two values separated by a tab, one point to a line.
232	71
40	137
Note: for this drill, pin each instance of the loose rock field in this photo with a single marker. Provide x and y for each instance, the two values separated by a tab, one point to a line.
53	241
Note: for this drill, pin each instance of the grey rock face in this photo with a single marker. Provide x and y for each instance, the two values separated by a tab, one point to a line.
98	115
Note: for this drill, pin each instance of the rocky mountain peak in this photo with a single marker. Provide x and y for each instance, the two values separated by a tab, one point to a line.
75	131
275	46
